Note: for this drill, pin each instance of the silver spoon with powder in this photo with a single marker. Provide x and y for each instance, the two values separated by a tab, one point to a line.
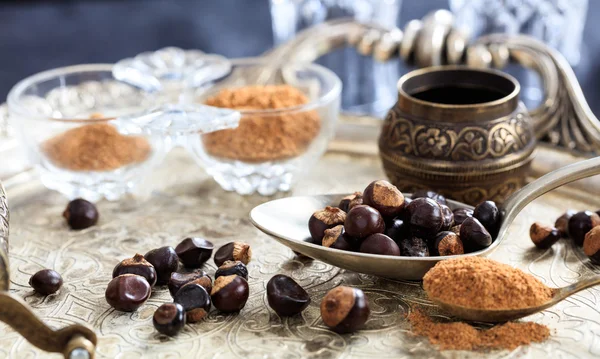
510	209
505	315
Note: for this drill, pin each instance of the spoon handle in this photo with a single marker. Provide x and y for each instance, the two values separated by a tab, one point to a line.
576	171
569	290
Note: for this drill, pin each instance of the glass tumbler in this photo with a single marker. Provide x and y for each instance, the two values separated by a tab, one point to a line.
369	86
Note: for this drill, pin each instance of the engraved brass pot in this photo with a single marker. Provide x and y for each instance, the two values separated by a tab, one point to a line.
459	131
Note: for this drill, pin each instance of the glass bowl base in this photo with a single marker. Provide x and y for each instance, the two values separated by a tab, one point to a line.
93	192
246	180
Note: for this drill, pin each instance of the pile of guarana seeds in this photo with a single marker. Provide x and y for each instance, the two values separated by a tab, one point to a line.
381	220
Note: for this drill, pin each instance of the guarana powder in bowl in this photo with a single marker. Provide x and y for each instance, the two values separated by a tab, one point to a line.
482	283
263	136
95	147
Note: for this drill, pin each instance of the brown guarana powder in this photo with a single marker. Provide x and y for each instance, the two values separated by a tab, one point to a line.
263	137
462	336
476	282
95	147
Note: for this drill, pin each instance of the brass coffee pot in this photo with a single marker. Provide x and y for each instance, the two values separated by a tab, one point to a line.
459	131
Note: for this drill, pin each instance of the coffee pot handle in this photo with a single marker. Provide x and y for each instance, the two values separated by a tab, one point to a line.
563	118
74	341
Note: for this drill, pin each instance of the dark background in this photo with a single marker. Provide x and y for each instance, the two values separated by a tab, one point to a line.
40	35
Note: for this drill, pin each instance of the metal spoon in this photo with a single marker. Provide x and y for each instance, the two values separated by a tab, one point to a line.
515	203
510	209
495	316
285	220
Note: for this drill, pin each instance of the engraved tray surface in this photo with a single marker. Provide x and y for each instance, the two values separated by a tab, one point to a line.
187	202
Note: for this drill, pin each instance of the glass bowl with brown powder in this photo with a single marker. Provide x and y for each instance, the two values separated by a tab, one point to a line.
287	120
65	119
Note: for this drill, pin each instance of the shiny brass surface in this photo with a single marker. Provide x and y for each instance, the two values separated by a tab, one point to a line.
188	203
469	152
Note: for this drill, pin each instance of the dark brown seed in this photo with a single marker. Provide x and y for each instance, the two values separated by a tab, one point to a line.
165	262
195	300
405	214
384	197
488	214
169	319
127	292
460	214
474	235
233	251
397	229
447	244
581	223
345	202
46	281
448	217
230	293
137	265
194	252
286	297
562	222
336	238
356	201
198	276
430	194
81	214
362	221
345	309
543	236
231	268
379	243
426	218
324	219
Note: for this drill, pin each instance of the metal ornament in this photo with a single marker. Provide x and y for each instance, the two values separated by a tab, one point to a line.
72	341
563	118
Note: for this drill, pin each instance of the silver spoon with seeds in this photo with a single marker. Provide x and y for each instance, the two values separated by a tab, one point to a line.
286	221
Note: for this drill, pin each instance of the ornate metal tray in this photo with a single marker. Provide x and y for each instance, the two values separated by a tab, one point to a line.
187	202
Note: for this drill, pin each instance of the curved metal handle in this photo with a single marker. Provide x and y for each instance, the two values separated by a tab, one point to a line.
515	203
75	338
75	341
585	283
564	117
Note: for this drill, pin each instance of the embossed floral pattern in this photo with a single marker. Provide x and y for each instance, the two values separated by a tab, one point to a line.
457	142
431	142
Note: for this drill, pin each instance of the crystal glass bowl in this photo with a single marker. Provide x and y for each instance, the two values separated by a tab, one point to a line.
66	118
271	147
95	131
